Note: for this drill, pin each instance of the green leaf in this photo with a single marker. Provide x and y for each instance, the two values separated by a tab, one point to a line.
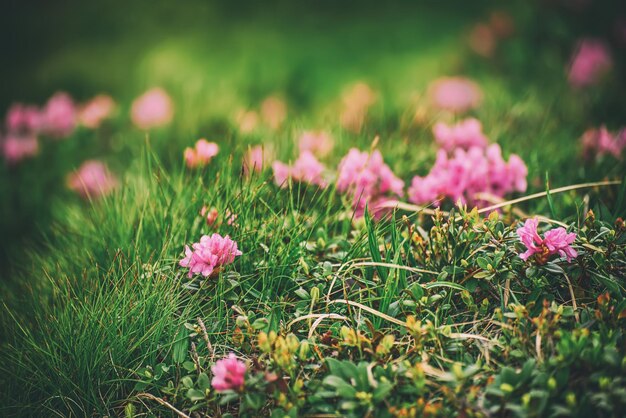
203	381
195	395
179	350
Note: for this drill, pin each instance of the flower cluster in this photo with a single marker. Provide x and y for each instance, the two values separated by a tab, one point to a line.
306	169
92	179
554	241
152	109
59	116
24	123
466	173
209	255
600	142
202	153
455	94
465	134
95	111
368	180
590	62
229	374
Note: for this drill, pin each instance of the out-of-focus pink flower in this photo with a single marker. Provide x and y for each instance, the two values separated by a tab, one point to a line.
152	109
306	169
229	374
15	148
201	154
600	142
209	214
591	61
369	180
465	134
466	173
482	40
501	24
555	241
92	179
247	120
257	158
59	116
209	255
95	111
23	119
273	112
455	94
356	102
319	143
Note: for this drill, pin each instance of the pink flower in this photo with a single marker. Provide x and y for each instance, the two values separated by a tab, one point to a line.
209	214
319	143
464	174
599	142
18	147
59	116
482	40
555	241
257	158
209	255
590	62
247	120
95	111
306	169
201	154
273	112
152	109
229	374
369	180
22	119
465	134
456	94
92	180
356	102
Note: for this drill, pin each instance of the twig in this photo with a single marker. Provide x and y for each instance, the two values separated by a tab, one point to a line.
162	402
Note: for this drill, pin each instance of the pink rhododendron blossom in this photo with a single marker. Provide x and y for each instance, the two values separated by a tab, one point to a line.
209	255
456	94
600	142
319	143
306	169
15	148
591	61
23	119
482	40
59	116
152	109
501	24
257	158
368	180
273	112
229	374
92	179
247	120
356	102
95	111
465	134
464	174
554	241
201	154
211	216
